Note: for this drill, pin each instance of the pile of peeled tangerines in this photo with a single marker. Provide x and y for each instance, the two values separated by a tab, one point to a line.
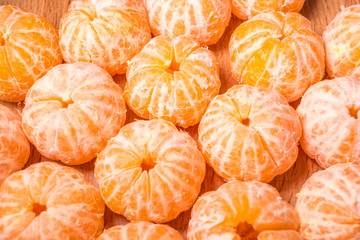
151	170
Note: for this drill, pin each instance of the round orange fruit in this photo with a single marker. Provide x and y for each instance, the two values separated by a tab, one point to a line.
173	79
150	171
328	204
342	46
250	133
107	33
203	20
140	231
237	205
14	146
28	49
278	51
50	201
246	9
72	112
330	116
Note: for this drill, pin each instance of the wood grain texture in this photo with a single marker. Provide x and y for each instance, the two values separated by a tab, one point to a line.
320	12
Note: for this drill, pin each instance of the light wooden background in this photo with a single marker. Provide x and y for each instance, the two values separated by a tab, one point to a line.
320	12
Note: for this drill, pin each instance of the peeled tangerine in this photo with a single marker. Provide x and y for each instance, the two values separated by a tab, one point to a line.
14	146
342	45
50	201
107	33
278	51
202	20
330	116
250	133
72	112
246	9
150	171
173	79
243	209
140	231
28	49
328	204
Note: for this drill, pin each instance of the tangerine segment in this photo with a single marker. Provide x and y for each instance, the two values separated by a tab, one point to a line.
72	111
277	235
173	79
342	46
278	51
330	116
150	171
14	146
28	49
107	33
250	133
203	20
140	231
246	9
218	214
328	204
50	201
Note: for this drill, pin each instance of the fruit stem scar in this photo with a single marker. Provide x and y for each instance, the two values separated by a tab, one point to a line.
38	209
147	164
174	66
353	111
3	38
246	122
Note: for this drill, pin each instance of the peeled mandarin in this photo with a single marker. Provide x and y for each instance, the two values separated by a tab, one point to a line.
14	146
107	33
222	214
246	9
150	171
140	231
72	112
328	204
173	79
250	133
28	49
342	46
278	51
330	116
203	20
50	201
279	235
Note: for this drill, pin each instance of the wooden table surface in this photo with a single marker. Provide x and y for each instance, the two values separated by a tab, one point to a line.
320	12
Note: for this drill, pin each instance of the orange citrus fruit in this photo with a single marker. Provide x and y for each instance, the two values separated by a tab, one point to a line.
14	146
203	20
173	79
328	204
250	133
279	235
50	201
107	33
140	231
28	49
342	46
72	111
278	51
150	171
246	9
330	116
222	214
